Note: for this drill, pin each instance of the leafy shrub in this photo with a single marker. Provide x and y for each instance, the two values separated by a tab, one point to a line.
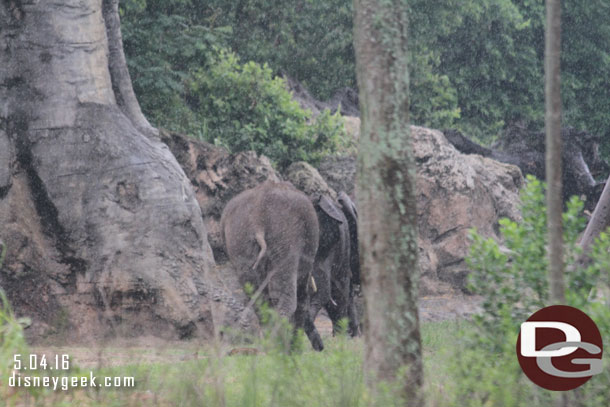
432	99
243	107
311	41
164	41
187	81
512	278
12	342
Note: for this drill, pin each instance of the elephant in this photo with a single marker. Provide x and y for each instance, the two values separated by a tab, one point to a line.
271	237
337	266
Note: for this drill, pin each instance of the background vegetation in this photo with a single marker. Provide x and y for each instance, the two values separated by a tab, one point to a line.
475	65
187	79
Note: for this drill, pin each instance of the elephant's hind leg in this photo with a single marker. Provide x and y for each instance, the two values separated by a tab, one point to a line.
283	285
302	317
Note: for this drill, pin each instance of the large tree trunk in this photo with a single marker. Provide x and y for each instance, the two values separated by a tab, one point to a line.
103	232
554	192
386	199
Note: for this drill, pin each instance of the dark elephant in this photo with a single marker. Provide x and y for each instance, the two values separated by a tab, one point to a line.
337	266
271	237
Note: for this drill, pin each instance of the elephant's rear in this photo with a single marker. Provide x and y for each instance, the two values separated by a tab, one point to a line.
283	215
290	220
238	228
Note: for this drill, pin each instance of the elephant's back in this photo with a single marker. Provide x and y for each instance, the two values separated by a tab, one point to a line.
285	215
290	218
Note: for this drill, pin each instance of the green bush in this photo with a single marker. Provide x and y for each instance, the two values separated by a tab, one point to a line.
512	279
243	107
12	342
164	41
310	40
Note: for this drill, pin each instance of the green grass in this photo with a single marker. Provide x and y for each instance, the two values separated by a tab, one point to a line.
179	376
333	377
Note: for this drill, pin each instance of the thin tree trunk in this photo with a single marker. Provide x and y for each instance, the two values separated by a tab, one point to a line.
117	64
553	149
600	220
386	198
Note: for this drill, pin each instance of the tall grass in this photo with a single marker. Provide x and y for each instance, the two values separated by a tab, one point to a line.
206	375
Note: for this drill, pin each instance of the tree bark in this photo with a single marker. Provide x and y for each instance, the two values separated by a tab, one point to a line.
103	231
386	199
600	220
117	64
553	149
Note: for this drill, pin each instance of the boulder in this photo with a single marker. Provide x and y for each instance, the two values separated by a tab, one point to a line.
582	162
216	177
339	171
307	179
455	192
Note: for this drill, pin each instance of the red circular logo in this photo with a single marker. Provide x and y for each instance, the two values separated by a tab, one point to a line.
559	348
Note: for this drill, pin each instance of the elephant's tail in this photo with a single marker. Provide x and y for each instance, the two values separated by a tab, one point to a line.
260	239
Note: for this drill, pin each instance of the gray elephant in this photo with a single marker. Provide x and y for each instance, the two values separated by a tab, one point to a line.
337	265
271	237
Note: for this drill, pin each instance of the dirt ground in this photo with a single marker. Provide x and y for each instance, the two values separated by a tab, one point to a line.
448	307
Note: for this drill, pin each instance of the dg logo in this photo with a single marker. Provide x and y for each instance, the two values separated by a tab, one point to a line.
560	348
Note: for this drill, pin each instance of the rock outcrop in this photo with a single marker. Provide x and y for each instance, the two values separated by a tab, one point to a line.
339	171
308	180
582	162
455	192
216	177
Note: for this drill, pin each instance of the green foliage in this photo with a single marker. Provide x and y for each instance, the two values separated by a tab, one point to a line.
432	98
585	65
12	341
474	65
243	107
187	81
164	41
492	54
512	279
484	50
310	40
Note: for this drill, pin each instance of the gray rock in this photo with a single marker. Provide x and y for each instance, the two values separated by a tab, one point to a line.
307	179
216	177
455	192
339	171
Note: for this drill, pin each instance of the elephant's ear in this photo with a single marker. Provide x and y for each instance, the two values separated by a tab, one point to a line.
327	205
349	207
